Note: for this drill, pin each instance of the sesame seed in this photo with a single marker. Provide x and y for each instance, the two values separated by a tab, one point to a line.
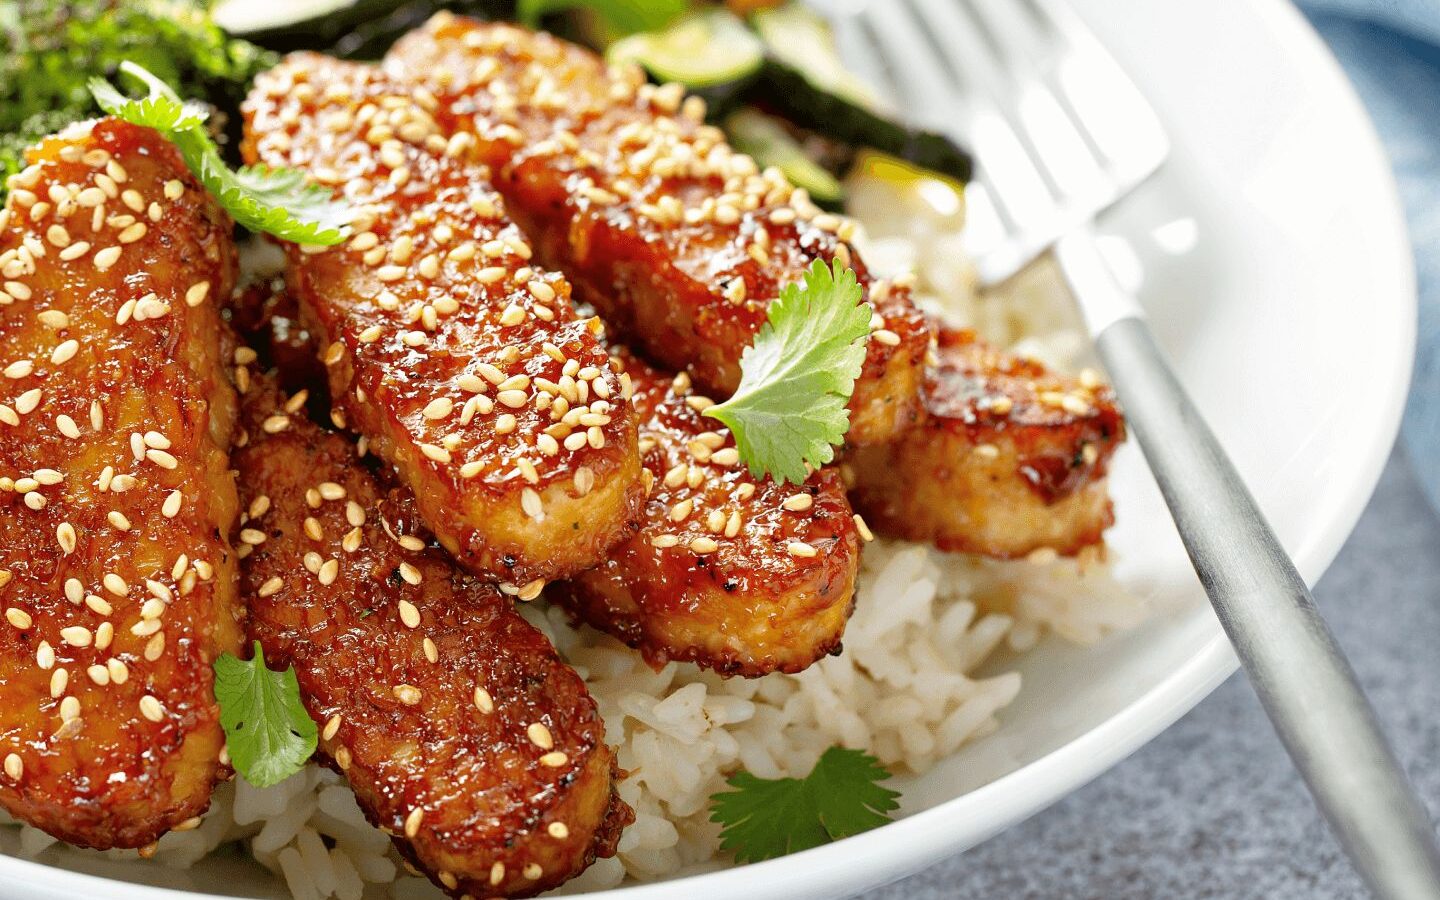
18	618
409	614
483	701
59	681
19	369
77	636
554	759
332	726
540	735
151	709
271	586
438	408
106	258
329	571
65	535
406	694
530	502
409	573
69	708
98	674
800	549
171	507
703	545
65	352
161	458
436	453
118	521
497	873
865	533
664	541
67	426
432	652
119	672
558	831
115	584
410	542
14	766
798	502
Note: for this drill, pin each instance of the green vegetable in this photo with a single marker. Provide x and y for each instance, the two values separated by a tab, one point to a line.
703	50
797	376
622	17
268	733
766	140
804	80
275	23
840	797
49	49
273	201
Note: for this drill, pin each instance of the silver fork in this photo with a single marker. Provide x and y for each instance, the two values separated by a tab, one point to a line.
1060	133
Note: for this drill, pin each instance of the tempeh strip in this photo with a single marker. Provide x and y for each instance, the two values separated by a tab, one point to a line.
677	240
735	574
460	730
465	366
1011	458
116	577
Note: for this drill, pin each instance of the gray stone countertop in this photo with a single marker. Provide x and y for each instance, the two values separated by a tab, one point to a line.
1212	808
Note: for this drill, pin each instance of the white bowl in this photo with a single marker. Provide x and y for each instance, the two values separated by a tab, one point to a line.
1278	275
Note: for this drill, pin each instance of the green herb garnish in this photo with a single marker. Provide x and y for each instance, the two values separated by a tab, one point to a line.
267	731
273	201
797	376
622	16
840	797
49	49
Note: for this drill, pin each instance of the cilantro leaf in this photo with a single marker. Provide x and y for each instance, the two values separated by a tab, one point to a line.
273	201
268	733
765	818
622	16
797	376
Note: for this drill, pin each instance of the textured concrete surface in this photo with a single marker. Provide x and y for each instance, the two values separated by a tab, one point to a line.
1211	808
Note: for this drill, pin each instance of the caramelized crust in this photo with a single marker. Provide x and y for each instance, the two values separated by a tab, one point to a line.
739	576
679	242
464	366
460	730
116	578
1010	459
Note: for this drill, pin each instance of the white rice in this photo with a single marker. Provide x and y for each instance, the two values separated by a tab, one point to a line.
911	687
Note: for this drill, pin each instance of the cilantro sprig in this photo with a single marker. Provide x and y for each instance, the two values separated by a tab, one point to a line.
796	377
766	818
268	733
273	201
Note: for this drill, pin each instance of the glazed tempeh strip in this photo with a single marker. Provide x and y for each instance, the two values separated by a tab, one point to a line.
742	576
116	578
464	366
1010	460
461	731
678	241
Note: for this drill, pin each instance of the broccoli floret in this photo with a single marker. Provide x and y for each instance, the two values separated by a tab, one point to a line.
49	49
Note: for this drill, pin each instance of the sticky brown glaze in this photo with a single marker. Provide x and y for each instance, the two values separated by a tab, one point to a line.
116	578
741	576
460	730
1010	459
464	366
678	241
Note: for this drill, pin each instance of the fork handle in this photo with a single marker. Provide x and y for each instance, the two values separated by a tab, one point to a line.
1303	679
